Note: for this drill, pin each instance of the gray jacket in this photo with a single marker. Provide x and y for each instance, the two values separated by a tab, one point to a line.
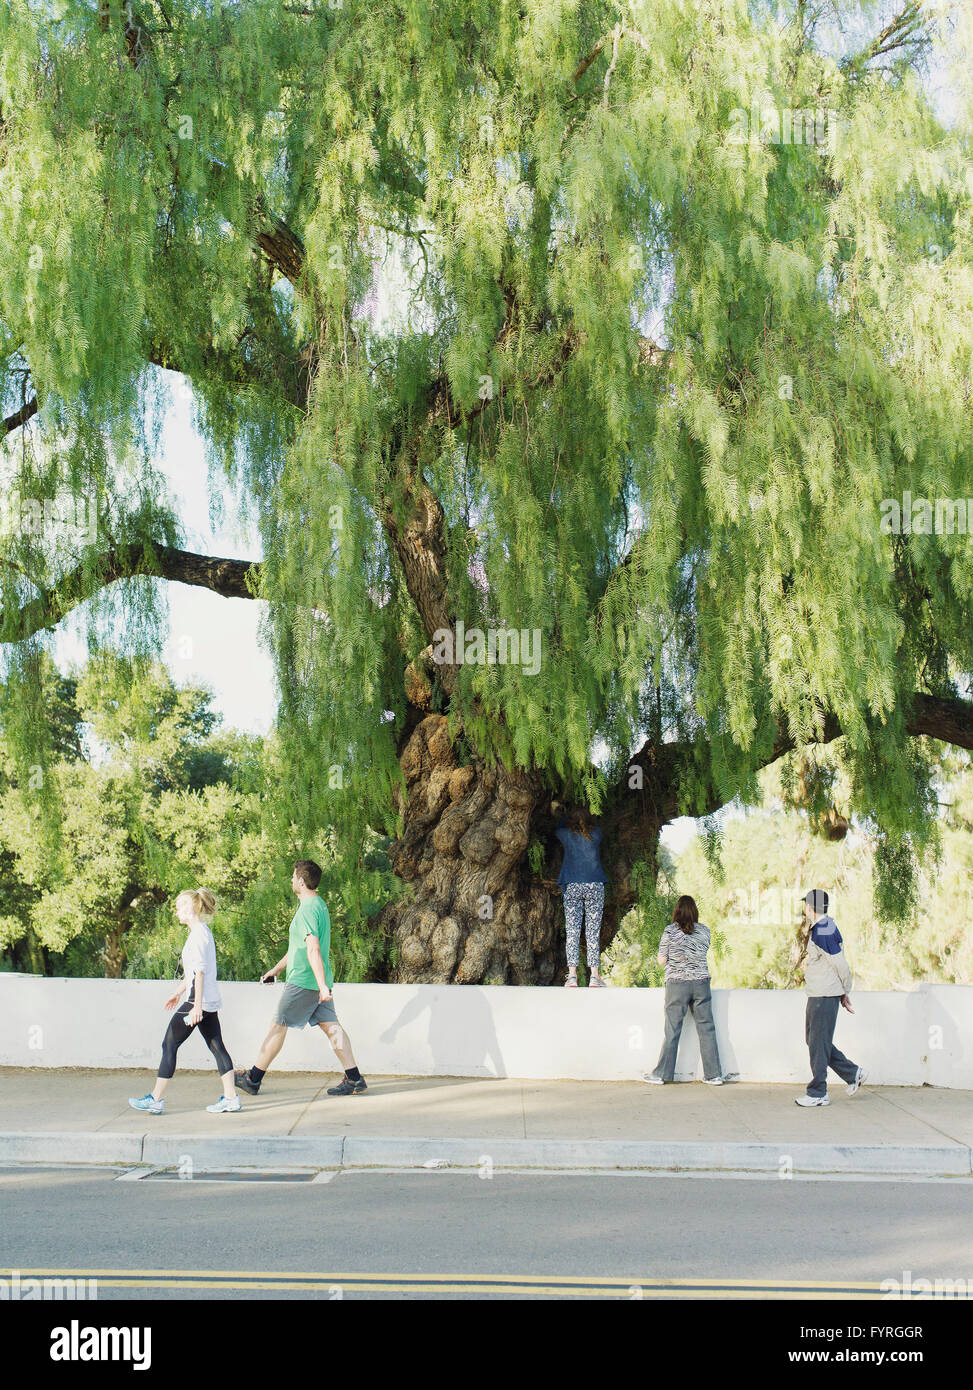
826	972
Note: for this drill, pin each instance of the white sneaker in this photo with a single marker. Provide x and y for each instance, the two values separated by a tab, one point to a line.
147	1102
652	1079
713	1080
224	1105
812	1100
856	1084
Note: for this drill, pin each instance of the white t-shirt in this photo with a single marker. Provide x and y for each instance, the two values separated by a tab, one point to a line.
199	953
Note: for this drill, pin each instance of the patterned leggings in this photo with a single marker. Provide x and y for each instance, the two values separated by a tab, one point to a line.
588	898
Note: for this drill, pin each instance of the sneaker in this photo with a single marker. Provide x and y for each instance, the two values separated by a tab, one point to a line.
225	1105
713	1080
147	1102
242	1082
812	1100
348	1088
856	1084
652	1079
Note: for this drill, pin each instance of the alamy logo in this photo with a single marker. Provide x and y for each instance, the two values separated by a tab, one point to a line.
65	516
17	1289
503	646
920	1287
767	124
918	516
756	905
77	1343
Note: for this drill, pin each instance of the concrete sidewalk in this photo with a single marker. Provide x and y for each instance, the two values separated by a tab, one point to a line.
83	1117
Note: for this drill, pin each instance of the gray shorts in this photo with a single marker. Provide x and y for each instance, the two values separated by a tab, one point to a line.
299	1007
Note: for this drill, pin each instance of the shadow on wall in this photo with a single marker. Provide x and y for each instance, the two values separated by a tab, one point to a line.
464	1014
945	1043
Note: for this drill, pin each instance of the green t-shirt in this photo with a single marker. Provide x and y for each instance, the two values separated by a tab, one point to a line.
310	919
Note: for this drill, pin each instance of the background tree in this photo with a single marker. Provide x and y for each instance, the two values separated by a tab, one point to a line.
153	798
769	857
651	378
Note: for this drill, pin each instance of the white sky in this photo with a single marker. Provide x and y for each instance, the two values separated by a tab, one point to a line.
212	640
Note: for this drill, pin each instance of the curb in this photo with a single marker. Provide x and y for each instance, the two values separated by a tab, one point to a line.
83	1146
906	1160
336	1151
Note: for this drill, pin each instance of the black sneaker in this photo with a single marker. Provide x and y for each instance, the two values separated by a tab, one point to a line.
242	1079
348	1088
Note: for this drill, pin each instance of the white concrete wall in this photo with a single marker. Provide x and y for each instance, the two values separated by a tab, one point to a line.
902	1039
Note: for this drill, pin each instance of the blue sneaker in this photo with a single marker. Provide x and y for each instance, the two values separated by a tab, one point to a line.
225	1105
147	1102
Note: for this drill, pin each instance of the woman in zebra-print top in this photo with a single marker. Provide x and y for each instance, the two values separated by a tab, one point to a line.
682	950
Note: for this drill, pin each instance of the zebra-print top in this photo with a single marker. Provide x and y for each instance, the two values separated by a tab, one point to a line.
685	956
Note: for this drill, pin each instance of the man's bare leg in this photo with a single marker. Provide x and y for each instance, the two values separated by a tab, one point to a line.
269	1049
271	1045
341	1043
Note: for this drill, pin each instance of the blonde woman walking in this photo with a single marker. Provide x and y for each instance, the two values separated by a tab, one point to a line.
194	908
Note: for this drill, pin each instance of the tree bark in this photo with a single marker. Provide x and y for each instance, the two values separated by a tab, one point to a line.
114	955
472	912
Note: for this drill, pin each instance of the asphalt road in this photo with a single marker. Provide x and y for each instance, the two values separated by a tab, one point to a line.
422	1234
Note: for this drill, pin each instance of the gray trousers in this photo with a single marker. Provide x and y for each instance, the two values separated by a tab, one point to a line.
819	1026
693	995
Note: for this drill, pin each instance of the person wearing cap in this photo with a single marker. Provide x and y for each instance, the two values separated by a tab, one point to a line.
827	980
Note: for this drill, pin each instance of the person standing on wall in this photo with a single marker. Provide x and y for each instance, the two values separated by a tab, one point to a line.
827	980
582	880
307	997
682	950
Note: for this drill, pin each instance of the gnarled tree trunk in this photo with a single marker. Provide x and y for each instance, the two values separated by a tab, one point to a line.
474	911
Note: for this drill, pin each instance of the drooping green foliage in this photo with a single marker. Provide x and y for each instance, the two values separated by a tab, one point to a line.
658	377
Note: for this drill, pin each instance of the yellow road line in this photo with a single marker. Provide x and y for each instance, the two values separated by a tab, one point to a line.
591	1285
561	1290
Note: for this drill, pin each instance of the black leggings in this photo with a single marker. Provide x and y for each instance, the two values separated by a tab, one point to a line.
177	1033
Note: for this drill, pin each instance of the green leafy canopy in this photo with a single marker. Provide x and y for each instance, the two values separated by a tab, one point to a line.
655	379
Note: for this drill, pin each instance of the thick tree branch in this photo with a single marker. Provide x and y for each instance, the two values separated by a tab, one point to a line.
664	766
635	815
229	578
283	248
620	31
20	417
417	530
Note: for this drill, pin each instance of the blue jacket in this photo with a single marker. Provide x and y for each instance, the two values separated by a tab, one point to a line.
581	861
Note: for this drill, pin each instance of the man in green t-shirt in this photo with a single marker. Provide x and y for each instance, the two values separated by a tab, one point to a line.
307	996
